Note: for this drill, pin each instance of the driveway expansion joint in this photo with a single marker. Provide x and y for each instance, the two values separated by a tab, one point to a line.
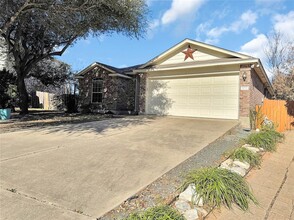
43	201
32	153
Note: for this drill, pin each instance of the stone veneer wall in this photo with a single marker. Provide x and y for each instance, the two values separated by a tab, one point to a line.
142	92
126	94
118	93
253	96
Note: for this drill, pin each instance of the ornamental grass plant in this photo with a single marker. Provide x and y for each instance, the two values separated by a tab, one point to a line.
219	186
157	213
244	155
271	130
267	138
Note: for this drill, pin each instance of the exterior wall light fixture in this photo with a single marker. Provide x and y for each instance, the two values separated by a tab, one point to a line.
244	76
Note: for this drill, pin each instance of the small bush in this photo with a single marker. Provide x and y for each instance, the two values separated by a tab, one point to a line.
157	213
267	139
262	140
277	136
245	155
220	187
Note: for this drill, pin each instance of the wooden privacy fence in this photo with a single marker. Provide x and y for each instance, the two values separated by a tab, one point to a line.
280	112
44	100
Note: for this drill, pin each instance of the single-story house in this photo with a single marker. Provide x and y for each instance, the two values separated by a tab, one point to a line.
191	79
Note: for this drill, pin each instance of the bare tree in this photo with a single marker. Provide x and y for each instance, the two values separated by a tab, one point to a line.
280	61
38	29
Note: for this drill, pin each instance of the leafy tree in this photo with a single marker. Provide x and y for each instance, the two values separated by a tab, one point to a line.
283	85
48	72
6	80
48	75
38	29
280	60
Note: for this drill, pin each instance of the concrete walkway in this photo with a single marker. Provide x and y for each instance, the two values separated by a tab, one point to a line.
273	186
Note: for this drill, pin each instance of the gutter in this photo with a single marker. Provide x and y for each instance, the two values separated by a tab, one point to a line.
120	75
193	66
195	74
78	77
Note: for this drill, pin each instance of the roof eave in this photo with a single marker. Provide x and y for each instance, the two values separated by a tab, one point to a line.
92	66
120	75
78	77
196	66
269	84
165	53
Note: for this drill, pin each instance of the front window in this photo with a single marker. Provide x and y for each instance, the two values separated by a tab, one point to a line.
97	90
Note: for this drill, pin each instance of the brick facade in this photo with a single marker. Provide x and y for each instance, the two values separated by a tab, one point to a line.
118	93
257	90
252	96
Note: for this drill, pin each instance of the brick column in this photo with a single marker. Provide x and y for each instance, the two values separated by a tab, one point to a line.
245	90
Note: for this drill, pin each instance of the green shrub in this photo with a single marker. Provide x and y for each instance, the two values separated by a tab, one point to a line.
267	139
220	187
262	140
245	155
157	213
277	136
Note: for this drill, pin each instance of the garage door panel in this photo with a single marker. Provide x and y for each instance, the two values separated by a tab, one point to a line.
194	91
210	97
179	100
230	89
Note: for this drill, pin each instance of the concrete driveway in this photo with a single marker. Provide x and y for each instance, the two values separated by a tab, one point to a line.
81	171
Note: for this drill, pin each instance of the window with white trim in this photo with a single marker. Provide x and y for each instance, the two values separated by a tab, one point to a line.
97	85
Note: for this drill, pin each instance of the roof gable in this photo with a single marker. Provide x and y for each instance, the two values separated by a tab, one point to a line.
109	68
203	52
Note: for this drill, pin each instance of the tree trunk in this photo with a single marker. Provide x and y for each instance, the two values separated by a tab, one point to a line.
23	96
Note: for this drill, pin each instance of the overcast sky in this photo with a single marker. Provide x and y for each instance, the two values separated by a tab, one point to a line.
238	25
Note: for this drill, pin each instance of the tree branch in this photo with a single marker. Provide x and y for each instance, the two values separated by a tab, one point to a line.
59	53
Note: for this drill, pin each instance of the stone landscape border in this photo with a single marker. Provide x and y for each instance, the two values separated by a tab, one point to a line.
189	203
188	196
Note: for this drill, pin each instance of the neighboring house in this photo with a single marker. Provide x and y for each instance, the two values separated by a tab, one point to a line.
3	54
5	62
191	79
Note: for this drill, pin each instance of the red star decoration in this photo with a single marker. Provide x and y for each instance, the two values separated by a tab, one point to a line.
189	53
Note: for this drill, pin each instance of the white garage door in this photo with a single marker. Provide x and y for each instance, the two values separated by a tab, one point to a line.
208	97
